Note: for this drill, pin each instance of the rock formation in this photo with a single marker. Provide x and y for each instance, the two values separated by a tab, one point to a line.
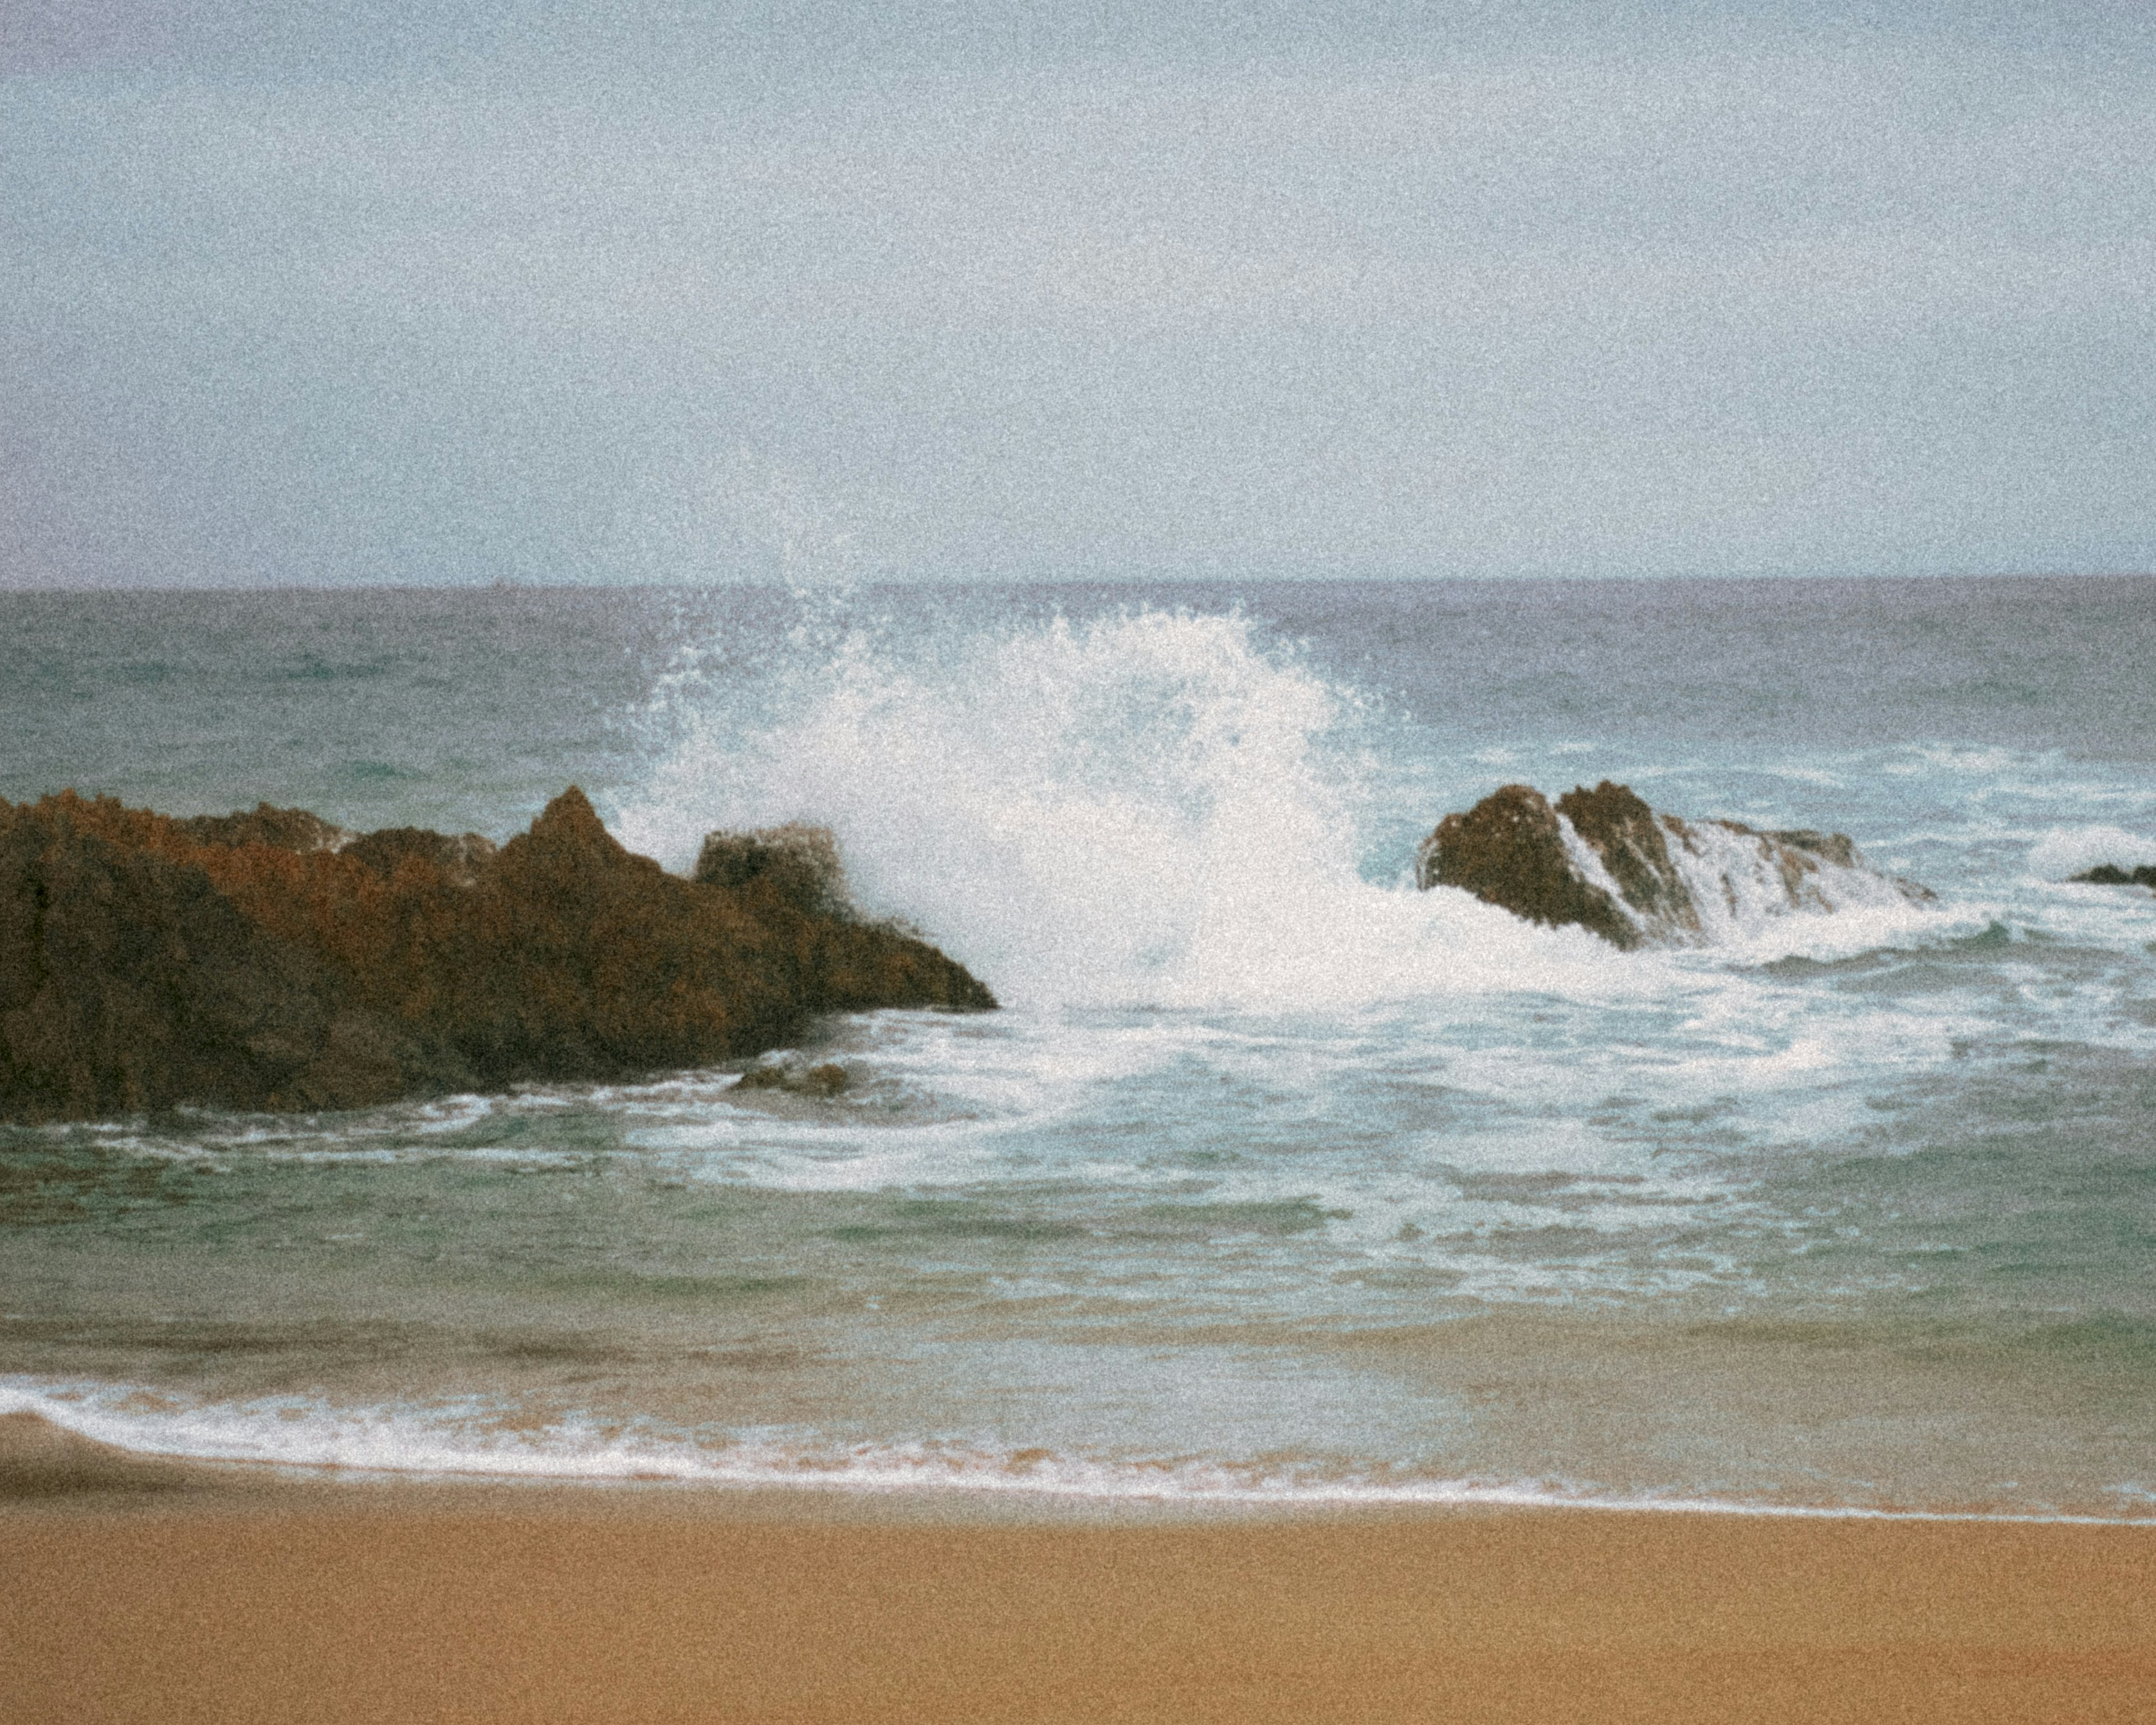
1603	859
2111	874
272	961
826	1080
796	865
1509	849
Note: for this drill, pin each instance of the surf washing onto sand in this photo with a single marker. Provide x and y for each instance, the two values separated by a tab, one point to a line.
1275	1177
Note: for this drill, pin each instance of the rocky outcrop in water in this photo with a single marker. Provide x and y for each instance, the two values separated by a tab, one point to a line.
1509	849
1606	861
796	1078
272	961
2111	874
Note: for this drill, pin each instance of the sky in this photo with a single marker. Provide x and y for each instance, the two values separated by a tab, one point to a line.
447	291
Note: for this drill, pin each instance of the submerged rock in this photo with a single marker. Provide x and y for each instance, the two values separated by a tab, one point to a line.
2111	874
827	1079
1606	861
273	961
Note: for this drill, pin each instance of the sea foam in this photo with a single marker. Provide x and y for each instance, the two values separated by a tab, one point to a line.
2066	851
1146	809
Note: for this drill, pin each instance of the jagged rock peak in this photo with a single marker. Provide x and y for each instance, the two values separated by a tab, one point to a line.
570	822
1606	861
1617	825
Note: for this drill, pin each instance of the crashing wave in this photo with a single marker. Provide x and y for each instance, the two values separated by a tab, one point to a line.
1603	859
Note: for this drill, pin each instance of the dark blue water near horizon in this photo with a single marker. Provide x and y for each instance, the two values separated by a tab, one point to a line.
2033	662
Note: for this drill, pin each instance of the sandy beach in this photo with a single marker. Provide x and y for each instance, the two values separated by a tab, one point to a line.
149	1592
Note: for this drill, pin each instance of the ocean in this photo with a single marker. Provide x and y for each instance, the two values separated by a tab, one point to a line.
1275	1180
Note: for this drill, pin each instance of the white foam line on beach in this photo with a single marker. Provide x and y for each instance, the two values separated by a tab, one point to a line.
215	1440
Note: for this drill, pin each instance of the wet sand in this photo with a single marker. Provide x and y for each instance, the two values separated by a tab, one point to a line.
171	1595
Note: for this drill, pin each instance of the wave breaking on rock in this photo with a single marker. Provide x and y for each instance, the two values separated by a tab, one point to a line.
1606	861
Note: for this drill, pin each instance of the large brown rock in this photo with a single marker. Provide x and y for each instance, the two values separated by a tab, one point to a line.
1508	850
1605	860
271	961
1625	834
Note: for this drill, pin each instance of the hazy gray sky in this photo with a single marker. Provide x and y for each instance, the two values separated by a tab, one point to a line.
296	292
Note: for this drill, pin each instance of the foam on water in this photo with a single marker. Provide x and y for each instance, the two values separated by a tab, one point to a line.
2066	851
471	1440
1739	891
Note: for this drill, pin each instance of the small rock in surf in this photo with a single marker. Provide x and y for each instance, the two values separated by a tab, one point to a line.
828	1079
1603	859
2111	874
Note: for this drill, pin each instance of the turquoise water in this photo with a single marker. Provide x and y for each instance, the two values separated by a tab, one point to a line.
1275	1177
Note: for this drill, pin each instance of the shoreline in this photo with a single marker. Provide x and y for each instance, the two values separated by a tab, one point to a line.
182	1593
42	1459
